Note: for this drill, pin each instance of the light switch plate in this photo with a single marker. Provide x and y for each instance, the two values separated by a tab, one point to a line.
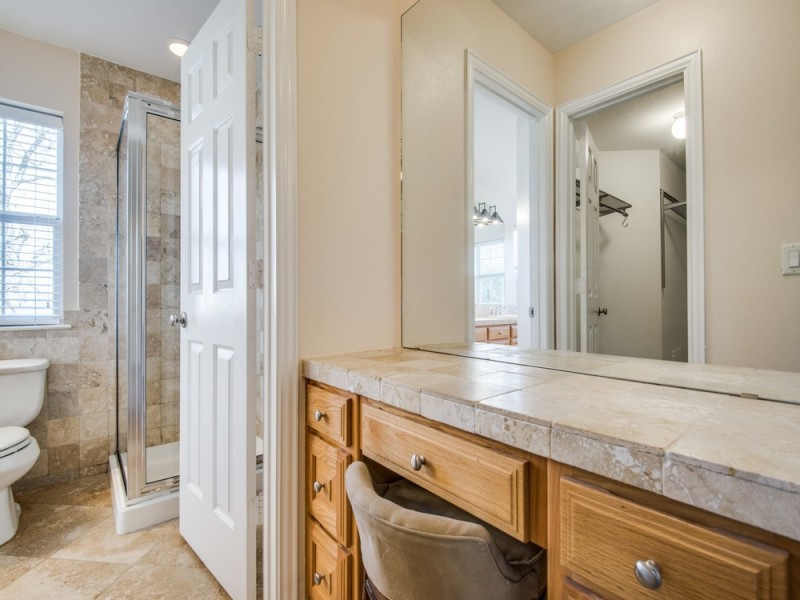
790	254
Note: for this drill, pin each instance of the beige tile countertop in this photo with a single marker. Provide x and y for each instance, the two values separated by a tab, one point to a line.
733	456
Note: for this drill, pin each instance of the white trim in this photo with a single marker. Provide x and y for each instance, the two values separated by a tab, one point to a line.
283	550
480	72
687	68
7	328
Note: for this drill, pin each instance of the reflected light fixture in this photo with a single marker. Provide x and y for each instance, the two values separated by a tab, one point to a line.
178	47
481	216
679	126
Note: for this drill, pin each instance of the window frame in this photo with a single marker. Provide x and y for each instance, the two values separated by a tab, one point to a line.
36	115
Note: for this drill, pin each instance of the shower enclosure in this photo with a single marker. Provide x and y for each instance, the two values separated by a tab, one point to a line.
147	293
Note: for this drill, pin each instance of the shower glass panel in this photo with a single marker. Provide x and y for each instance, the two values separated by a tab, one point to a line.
148	278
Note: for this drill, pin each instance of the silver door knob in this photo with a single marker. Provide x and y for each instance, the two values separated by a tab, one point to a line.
318	415
648	574
318	578
417	461
179	319
318	487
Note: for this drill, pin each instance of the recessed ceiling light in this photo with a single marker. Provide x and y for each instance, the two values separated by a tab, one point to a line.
679	126
178	47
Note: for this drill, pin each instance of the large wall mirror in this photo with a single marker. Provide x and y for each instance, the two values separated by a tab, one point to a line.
467	276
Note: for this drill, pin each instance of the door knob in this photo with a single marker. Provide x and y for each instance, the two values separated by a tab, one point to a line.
318	578
602	311
318	487
179	319
318	415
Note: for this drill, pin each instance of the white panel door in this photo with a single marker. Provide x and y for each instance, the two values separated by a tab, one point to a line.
218	390
590	242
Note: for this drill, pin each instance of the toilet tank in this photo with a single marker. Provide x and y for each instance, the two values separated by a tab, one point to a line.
22	388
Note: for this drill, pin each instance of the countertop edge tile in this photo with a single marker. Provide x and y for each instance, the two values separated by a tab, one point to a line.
750	502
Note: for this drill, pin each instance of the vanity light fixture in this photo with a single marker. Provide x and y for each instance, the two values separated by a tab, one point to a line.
679	126
481	216
178	47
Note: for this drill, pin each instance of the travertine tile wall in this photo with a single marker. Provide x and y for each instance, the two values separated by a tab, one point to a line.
77	426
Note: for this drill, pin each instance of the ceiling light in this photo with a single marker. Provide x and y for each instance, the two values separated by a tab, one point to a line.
679	126
178	47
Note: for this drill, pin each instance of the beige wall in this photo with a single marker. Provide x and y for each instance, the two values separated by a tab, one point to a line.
750	95
348	237
436	34
49	77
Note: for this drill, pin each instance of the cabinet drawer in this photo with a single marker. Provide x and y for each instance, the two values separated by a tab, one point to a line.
328	413
329	569
514	331
499	332
603	536
329	506
488	483
480	334
573	591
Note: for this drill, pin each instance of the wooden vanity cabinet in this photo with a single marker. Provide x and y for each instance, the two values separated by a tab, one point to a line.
595	529
332	566
611	542
496	334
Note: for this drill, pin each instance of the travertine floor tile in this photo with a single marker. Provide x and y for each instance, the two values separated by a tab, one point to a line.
164	583
102	544
87	491
56	579
13	567
172	550
46	528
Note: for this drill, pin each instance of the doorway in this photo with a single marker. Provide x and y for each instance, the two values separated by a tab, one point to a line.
572	272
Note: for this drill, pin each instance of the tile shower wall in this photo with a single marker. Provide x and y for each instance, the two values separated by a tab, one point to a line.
77	426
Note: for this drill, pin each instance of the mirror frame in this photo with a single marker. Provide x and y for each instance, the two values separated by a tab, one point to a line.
688	68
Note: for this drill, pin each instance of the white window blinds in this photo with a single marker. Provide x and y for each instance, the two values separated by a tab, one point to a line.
490	258
31	173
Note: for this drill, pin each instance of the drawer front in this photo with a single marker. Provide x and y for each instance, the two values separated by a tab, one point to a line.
329	505
329	413
514	331
329	569
603	536
481	334
488	483
499	332
573	591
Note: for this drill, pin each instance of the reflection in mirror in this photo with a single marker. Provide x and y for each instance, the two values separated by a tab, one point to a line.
641	244
744	313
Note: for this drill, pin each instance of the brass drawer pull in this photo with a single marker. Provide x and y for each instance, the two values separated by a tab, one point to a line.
318	578
318	415
648	574
417	461
318	487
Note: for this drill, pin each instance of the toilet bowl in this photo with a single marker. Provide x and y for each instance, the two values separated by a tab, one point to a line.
22	388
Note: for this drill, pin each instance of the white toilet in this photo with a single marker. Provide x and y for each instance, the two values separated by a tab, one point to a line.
22	388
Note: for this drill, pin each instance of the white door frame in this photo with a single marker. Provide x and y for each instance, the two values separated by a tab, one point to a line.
688	69
481	73
283	522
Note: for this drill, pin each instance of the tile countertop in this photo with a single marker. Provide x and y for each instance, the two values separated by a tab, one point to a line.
732	456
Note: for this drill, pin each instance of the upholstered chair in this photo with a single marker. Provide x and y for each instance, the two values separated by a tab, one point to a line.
416	546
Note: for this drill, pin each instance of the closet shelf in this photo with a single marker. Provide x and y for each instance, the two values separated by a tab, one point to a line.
608	204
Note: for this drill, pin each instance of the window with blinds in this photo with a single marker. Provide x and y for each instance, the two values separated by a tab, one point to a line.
490	267
31	173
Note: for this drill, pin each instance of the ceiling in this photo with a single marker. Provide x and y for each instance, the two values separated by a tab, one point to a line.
642	123
557	24
134	34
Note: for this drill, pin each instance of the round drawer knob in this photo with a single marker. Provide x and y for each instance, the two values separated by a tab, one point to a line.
319	415
318	487
318	578
648	574
417	461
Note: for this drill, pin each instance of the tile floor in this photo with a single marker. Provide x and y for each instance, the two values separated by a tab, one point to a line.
66	549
